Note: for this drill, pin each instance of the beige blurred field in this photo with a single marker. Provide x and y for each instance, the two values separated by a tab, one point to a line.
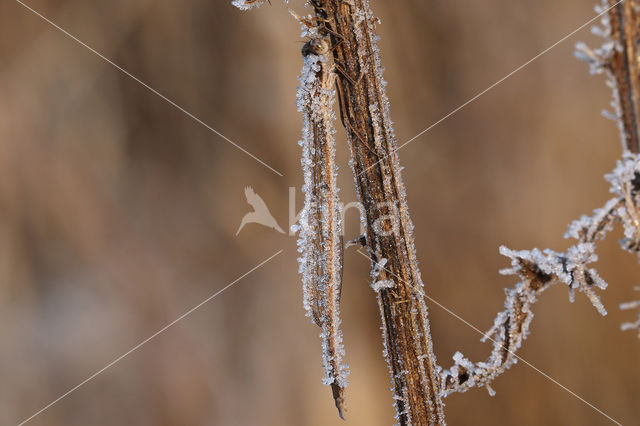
118	213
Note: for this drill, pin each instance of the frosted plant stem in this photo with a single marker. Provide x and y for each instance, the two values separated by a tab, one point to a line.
364	112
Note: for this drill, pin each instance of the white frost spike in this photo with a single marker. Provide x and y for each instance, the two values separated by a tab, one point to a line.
490	390
320	229
628	306
379	285
378	267
248	4
593	58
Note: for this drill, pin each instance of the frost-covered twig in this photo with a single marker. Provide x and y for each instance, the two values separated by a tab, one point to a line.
320	230
538	270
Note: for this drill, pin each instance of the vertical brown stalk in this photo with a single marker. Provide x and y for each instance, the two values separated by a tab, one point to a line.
624	65
365	114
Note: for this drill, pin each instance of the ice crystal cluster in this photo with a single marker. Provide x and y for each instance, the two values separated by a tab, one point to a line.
320	230
248	4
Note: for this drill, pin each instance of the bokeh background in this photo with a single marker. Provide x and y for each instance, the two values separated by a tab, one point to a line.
118	213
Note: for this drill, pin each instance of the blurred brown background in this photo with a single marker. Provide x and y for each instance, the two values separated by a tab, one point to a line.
118	213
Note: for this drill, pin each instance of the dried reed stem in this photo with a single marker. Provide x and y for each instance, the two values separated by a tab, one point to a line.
364	112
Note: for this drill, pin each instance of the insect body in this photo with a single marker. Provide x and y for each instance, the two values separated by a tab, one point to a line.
320	242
